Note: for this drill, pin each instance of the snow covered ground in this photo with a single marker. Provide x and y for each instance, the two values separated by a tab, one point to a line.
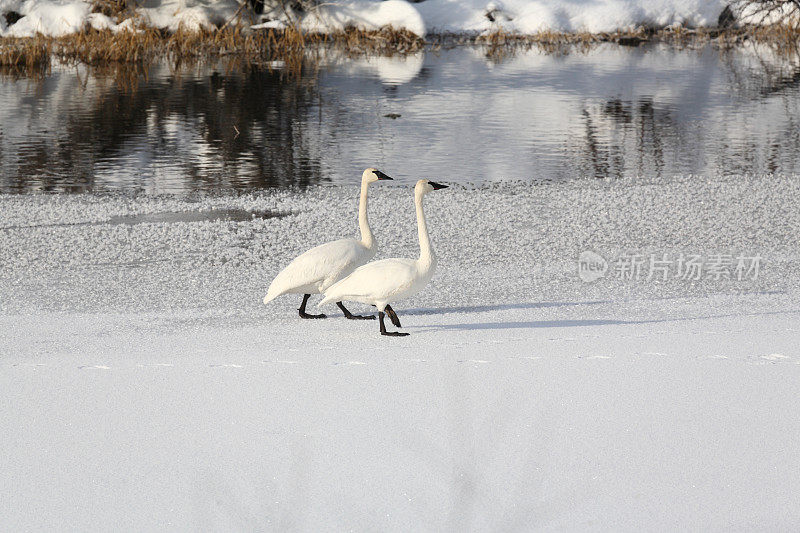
59	17
143	385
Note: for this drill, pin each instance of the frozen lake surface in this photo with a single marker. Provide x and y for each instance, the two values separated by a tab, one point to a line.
469	115
144	386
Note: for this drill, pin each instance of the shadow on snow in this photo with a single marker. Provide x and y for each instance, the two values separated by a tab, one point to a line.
582	323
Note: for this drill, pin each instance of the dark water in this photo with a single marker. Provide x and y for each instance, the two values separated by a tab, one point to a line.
456	115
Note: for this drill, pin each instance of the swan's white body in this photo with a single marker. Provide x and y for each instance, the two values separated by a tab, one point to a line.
317	269
386	281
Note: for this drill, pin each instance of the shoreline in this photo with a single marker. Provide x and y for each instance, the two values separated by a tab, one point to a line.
30	56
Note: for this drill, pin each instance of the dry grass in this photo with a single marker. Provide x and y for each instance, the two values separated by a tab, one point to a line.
294	48
94	47
33	54
778	34
386	41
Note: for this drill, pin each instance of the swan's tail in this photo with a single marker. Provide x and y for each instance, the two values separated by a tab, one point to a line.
328	299
272	293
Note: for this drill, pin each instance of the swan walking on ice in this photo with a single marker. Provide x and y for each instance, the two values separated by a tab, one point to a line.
319	268
388	280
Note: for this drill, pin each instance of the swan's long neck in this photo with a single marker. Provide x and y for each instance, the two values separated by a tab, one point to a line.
366	233
426	255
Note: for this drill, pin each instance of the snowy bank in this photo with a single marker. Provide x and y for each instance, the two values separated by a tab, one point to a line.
58	17
533	16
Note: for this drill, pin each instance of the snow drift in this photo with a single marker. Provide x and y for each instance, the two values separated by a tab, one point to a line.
59	17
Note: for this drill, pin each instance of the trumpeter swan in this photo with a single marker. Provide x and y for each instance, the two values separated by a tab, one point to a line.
320	267
388	280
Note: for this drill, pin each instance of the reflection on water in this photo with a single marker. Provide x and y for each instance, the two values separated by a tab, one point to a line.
608	112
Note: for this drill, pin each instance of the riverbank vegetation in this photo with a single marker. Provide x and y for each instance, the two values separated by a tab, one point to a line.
775	22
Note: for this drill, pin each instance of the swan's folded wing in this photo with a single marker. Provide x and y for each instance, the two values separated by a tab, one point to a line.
320	265
374	281
330	258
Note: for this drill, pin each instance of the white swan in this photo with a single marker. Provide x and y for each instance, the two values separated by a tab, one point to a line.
320	267
388	280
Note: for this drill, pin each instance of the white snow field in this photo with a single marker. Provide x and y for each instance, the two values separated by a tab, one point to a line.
143	386
60	17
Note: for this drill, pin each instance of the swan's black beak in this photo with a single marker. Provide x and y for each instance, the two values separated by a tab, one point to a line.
437	185
381	175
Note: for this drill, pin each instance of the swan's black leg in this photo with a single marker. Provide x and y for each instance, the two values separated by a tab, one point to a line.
302	309
351	316
383	328
393	316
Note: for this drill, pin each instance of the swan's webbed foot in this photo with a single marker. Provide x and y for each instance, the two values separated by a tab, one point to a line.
302	309
351	316
306	315
393	316
388	333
